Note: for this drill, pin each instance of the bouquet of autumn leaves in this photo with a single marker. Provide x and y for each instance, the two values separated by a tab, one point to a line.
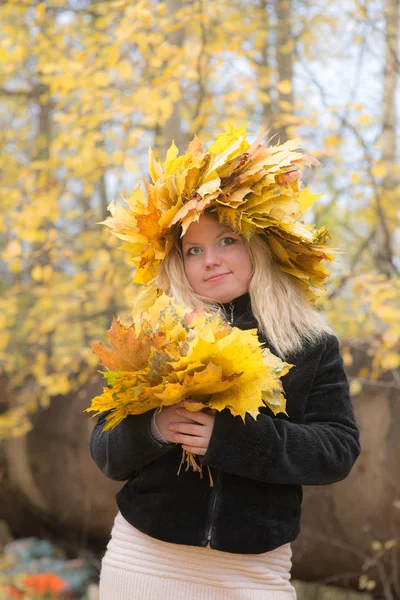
170	354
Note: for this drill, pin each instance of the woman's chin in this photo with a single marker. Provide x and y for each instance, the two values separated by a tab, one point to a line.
223	297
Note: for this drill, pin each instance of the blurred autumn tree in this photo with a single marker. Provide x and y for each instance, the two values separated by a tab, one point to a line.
86	86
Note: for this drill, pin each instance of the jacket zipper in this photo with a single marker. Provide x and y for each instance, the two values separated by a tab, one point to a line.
231	309
214	495
212	503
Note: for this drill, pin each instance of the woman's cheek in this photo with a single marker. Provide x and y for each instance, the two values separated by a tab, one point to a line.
192	272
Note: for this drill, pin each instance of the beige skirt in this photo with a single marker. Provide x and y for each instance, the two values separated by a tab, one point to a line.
139	567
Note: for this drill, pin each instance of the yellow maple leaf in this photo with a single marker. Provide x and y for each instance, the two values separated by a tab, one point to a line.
210	184
145	300
191	210
196	383
225	140
306	199
229	217
155	169
164	314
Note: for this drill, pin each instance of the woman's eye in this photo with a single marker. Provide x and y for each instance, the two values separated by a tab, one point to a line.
228	241
194	251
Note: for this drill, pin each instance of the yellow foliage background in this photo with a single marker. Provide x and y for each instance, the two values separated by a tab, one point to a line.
86	87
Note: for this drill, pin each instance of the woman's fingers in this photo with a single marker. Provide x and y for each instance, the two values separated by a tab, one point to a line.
190	434
187	428
186	415
204	418
180	419
189	440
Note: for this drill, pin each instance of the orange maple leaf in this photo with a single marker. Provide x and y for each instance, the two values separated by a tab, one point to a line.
130	352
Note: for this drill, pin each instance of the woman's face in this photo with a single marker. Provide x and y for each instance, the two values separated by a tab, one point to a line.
216	261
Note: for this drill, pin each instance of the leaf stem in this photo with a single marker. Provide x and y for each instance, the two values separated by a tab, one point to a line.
190	460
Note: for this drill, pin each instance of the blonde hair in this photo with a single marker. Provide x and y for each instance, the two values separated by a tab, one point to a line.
283	313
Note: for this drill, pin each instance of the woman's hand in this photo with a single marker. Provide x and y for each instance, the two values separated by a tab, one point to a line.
168	416
192	429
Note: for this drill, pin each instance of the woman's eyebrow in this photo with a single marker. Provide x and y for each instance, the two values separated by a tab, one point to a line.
225	230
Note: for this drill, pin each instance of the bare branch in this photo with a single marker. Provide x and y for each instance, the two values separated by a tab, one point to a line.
344	122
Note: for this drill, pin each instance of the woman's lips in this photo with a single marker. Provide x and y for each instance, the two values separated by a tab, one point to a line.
217	277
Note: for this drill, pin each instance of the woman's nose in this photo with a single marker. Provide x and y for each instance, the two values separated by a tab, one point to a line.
211	257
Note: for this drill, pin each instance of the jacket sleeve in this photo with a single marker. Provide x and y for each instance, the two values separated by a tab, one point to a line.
121	451
320	450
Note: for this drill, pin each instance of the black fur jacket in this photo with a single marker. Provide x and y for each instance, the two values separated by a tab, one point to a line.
258	467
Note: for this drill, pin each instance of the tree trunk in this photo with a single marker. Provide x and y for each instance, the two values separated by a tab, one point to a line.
284	60
277	112
50	485
387	195
43	140
264	83
172	128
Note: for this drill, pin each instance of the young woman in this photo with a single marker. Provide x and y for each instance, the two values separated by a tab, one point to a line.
177	537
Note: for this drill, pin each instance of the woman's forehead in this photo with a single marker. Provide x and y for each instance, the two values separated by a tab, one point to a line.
208	222
205	227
